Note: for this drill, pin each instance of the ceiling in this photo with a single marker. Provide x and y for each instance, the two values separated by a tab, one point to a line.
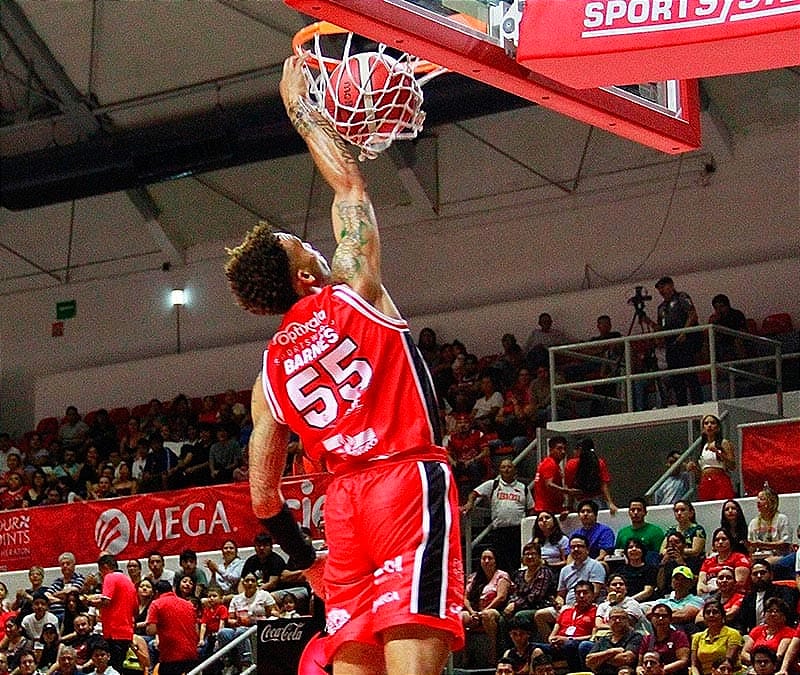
136	134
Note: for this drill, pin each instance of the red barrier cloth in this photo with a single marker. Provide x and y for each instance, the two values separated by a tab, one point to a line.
770	453
594	43
198	518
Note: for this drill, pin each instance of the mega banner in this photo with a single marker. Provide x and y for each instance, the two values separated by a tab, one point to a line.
130	527
770	454
592	43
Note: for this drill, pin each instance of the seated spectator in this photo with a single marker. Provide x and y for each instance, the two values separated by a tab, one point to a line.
723	556
582	568
671	644
535	348
102	433
224	456
23	600
125	485
765	661
588	474
241	474
14	468
574	625
671	558
519	654
733	521
65	663
618	649
159	461
79	639
693	534
487	405
533	587
15	642
188	567
213	617
650	535
618	597
768	534
37	492
468	453
89	473
600	536
485	598
46	648
288	606
553	542
13	495
717	641
245	609
761	589
640	577
791	661
684	604
226	575
514	421
775	632
728	595
130	438
73	430
104	489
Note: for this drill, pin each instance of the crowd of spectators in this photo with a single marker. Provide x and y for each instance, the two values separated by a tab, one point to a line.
129	621
605	602
169	446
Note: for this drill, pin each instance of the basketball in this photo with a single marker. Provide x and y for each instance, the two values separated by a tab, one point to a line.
370	94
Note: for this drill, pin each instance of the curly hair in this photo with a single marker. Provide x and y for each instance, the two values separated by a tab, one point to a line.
259	273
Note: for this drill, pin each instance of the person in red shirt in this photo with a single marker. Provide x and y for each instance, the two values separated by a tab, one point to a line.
587	473
575	624
118	603
215	613
174	621
548	484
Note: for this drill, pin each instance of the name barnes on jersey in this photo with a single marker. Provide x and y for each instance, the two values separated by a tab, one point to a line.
316	338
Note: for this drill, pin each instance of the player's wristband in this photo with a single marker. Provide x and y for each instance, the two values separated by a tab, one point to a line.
286	532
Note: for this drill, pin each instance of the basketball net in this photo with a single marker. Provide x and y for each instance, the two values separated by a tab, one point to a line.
384	92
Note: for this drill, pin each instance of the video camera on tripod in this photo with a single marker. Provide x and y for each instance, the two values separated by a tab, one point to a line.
638	299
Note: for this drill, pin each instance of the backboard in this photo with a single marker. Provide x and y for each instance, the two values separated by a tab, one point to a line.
477	38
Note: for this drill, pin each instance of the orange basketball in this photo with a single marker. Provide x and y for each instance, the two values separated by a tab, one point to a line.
369	94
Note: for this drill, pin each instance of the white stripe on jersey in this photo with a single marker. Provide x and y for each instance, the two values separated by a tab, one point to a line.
348	295
269	395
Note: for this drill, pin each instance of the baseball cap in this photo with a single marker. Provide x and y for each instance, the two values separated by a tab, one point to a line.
50	626
683	571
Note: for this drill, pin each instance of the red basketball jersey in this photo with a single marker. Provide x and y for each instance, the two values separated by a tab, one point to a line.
350	382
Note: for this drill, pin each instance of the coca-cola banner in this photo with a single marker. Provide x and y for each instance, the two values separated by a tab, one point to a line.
130	527
281	642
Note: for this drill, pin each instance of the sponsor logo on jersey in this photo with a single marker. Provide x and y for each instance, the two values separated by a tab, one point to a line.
354	445
391	566
385	599
295	331
335	619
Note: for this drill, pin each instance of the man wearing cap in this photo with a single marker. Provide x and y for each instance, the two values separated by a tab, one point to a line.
34	623
684	604
119	604
678	311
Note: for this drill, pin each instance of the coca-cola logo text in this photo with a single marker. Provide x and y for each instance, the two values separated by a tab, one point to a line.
291	632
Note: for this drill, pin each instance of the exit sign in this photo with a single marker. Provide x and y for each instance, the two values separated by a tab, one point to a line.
66	309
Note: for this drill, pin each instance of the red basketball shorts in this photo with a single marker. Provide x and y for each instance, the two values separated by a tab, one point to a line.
394	552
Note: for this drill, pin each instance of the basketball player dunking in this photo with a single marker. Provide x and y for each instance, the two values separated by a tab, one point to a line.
342	371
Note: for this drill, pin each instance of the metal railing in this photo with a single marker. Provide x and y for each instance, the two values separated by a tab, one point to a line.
736	369
232	645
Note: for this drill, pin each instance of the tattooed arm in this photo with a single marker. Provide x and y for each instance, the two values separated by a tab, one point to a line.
357	260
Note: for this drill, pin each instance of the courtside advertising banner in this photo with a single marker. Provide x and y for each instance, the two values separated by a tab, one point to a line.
130	527
591	43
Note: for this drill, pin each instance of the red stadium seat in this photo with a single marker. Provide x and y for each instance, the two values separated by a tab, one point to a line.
48	426
119	416
777	324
